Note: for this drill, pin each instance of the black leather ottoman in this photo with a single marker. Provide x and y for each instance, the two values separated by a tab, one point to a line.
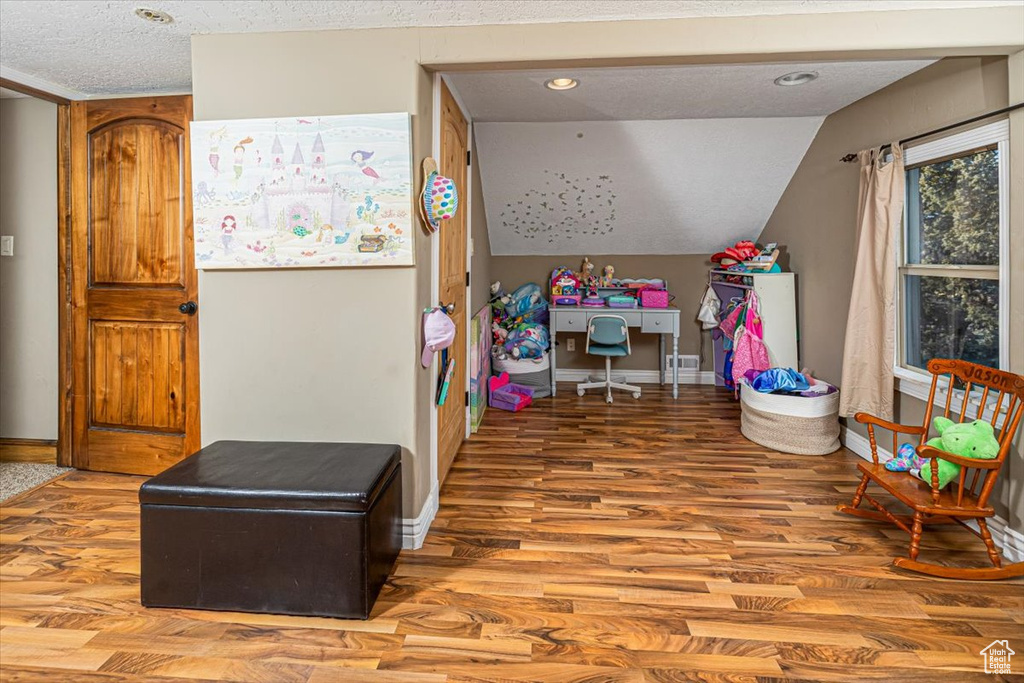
286	528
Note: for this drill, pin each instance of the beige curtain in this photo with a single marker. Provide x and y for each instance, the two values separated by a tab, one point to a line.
869	351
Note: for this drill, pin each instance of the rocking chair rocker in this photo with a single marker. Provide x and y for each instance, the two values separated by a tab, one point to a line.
960	501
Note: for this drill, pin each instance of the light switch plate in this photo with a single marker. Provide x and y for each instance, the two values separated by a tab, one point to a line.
7	245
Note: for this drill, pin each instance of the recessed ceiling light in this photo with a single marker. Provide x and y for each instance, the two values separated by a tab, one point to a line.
796	78
154	15
561	83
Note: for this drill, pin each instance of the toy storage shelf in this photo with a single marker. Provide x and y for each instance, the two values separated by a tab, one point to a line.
604	292
777	293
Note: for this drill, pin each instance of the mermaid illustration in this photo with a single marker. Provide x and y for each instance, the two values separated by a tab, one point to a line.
227	232
240	156
361	158
215	138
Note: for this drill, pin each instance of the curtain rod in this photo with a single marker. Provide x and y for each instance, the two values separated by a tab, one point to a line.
853	157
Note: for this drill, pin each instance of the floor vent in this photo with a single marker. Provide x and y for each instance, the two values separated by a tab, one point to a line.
686	363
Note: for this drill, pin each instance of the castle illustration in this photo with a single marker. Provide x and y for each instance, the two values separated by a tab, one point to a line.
299	198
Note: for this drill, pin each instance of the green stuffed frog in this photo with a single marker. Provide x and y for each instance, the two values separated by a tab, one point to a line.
967	439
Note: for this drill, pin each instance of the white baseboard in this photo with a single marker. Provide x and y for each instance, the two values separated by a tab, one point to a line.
636	376
861	446
414	529
1010	541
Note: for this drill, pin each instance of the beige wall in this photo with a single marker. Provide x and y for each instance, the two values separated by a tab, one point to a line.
687	276
28	280
333	354
480	263
1011	493
319	354
816	217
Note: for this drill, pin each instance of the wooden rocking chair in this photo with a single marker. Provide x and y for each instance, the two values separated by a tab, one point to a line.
963	499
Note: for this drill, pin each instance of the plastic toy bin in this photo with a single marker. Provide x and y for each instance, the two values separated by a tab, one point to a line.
503	394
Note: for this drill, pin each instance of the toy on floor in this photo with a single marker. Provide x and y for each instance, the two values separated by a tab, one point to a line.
527	341
503	394
499	332
519	322
967	439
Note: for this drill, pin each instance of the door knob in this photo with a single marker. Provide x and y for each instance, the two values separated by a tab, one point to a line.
189	308
448	308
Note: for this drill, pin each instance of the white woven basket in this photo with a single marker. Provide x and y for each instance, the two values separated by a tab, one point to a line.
518	366
806	425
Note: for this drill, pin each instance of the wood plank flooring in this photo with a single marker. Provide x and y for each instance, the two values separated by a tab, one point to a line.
645	541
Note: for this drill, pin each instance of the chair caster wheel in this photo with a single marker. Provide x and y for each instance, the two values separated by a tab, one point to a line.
607	399
636	394
580	392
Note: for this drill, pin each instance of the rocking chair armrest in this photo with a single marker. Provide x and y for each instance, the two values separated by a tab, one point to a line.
869	419
931	453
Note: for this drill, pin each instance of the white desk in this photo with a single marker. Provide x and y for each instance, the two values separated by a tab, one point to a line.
659	321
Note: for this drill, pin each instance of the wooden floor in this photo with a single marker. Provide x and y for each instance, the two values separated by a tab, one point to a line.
647	541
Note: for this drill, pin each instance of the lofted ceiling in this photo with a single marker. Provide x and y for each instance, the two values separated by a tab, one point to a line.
99	47
686	186
666	160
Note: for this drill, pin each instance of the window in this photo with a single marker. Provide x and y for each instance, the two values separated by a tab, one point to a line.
952	258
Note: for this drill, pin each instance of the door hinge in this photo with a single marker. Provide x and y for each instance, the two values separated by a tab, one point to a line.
467	399
469	157
467	278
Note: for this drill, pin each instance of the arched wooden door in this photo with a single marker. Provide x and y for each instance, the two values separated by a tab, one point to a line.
134	329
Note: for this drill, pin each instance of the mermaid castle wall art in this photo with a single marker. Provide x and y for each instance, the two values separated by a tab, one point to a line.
308	192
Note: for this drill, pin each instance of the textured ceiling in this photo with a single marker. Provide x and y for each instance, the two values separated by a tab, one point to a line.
635	187
97	47
673	92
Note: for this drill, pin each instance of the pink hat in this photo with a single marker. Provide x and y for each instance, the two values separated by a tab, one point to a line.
438	333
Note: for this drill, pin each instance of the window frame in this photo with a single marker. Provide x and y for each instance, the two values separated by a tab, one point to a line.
916	381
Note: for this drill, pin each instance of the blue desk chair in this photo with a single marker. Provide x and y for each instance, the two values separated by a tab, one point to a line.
608	336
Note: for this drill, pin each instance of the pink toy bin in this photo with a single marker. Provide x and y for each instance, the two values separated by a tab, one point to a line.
507	396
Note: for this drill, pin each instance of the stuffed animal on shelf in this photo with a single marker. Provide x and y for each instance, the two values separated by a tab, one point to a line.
967	439
586	274
608	276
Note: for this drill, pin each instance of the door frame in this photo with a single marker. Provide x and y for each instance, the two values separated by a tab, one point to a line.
64	265
465	204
